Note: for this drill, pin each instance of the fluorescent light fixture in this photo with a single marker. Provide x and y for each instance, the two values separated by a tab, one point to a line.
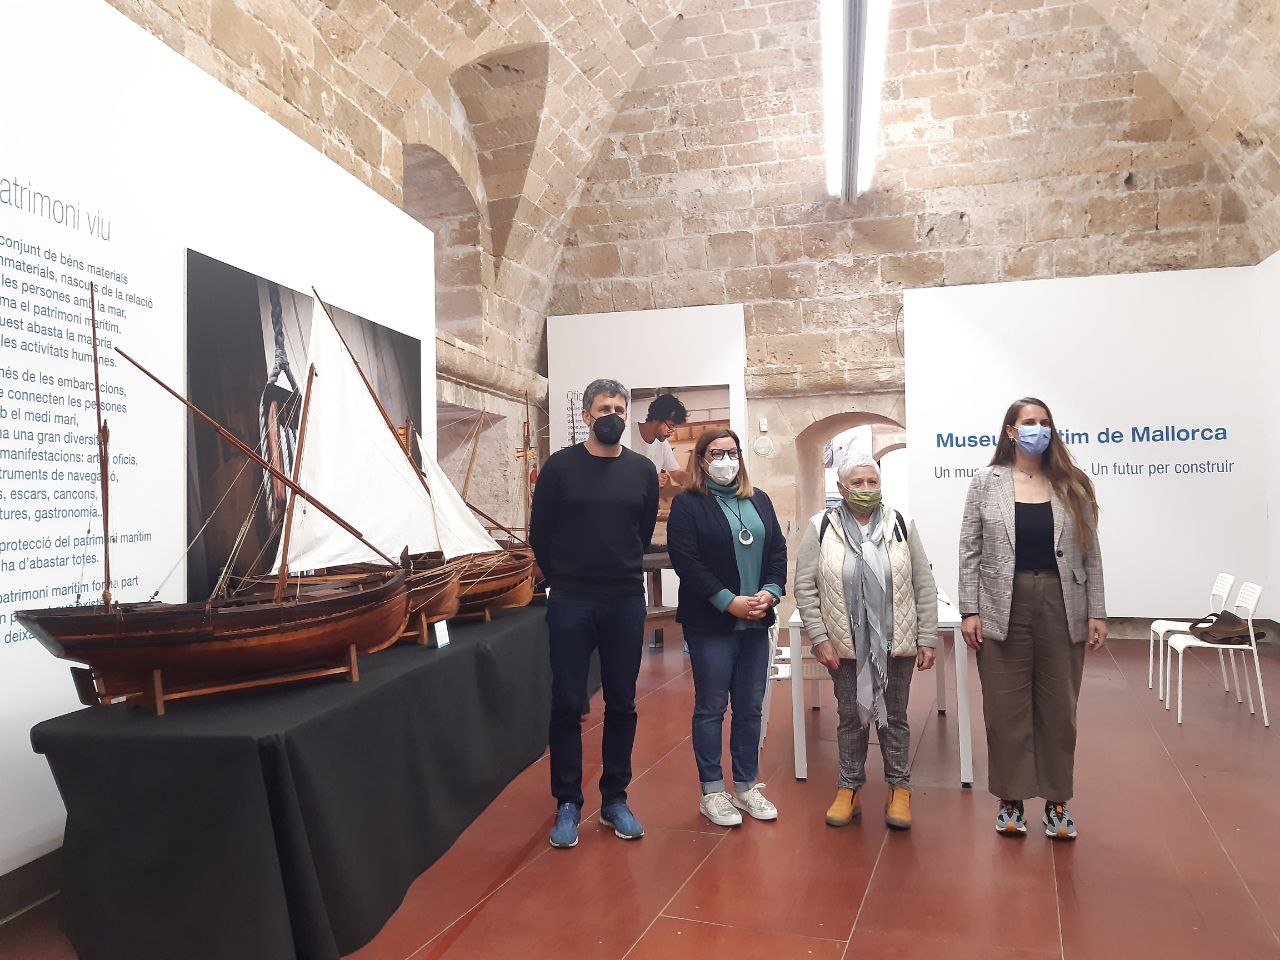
855	36
833	32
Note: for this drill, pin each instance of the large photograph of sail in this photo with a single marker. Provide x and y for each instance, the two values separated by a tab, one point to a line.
248	341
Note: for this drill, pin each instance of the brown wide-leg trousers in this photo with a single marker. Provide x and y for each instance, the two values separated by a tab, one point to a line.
1030	687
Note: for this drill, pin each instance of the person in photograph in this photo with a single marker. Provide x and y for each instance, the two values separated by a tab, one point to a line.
652	438
731	556
868	601
1031	598
594	510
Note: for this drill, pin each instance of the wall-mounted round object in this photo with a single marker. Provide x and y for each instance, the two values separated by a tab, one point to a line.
763	446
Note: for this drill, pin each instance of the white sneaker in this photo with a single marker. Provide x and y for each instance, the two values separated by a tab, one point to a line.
719	809
754	803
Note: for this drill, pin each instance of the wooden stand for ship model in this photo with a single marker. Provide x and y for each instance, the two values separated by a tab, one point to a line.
155	696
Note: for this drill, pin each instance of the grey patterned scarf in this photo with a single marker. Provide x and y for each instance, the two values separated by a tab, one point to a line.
868	595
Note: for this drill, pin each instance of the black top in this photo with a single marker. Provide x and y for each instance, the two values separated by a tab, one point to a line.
700	542
1033	537
593	519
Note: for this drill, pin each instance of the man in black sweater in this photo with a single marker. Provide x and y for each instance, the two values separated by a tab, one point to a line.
594	509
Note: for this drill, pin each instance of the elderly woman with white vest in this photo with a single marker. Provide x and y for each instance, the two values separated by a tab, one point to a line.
870	606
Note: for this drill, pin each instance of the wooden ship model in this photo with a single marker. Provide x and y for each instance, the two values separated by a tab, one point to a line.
333	591
158	652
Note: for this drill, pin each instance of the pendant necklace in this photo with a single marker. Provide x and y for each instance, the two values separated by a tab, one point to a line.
745	536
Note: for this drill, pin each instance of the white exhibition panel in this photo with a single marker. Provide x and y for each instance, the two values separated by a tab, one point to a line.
1266	295
121	154
684	347
1159	380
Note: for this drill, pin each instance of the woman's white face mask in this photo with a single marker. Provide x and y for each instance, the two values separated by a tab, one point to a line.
722	471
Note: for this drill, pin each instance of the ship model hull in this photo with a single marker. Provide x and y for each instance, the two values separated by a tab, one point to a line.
495	581
433	587
157	652
434	595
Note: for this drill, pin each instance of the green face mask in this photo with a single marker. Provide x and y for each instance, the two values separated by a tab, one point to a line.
864	501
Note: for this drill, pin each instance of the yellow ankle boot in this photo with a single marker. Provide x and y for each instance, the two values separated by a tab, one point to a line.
897	808
847	805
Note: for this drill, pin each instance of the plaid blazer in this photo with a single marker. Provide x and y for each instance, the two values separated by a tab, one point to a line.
987	559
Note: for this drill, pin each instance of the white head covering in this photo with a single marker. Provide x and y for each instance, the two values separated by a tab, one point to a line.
852	461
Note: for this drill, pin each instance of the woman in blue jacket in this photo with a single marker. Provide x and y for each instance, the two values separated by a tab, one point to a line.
731	557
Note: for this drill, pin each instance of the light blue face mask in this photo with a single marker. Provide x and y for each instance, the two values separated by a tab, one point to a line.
1034	438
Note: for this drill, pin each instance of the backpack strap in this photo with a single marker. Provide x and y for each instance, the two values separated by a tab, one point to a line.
899	526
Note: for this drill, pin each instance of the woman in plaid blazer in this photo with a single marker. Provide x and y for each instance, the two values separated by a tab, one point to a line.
1032	597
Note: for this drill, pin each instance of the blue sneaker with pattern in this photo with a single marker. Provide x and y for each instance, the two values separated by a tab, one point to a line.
565	832
619	818
1011	819
1058	822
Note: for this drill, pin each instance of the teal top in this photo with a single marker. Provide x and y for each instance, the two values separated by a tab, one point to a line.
750	556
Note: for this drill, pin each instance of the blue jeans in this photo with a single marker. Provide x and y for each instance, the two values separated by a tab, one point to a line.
578	624
732	663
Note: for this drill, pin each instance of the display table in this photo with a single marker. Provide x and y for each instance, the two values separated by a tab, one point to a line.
290	823
656	615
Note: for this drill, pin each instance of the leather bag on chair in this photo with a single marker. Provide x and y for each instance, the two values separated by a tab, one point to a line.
1222	627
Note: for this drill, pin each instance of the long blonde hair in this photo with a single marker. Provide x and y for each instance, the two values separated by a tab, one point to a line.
696	482
1069	482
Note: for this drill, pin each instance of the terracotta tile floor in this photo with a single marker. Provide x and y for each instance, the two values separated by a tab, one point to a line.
1177	858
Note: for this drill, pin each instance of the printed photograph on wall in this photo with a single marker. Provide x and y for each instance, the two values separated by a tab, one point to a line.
665	424
575	430
247	340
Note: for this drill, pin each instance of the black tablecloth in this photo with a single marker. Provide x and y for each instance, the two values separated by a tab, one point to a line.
289	823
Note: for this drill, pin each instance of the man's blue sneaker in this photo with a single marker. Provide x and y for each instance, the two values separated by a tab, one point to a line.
565	833
622	821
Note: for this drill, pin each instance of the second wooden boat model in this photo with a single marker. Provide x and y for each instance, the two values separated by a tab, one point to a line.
442	529
494	576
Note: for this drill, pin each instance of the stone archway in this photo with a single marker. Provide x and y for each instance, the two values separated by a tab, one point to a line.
879	451
809	446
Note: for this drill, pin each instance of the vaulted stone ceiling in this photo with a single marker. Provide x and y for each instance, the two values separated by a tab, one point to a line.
1220	61
519	101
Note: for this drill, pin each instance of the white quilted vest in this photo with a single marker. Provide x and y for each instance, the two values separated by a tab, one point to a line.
835	614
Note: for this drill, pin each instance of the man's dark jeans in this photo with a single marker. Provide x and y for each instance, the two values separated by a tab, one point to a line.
578	624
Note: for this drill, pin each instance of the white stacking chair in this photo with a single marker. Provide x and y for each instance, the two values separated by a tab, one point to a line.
1245	605
1161	630
798	664
773	674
